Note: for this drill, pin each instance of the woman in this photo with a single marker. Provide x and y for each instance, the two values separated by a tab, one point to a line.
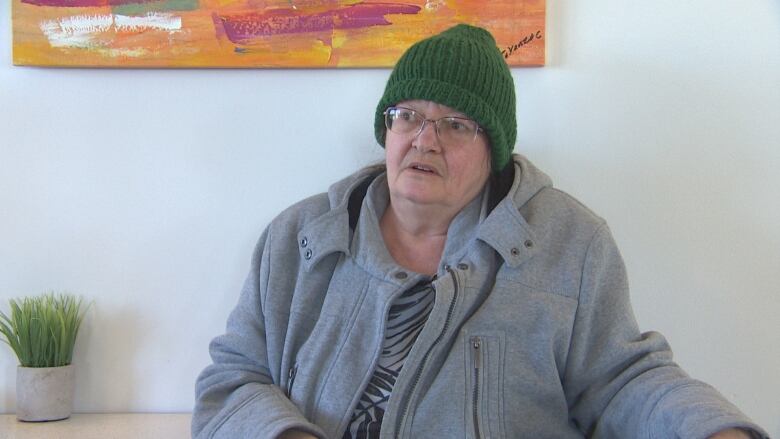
452	293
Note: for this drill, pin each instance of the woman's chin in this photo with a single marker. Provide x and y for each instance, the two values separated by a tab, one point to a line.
420	196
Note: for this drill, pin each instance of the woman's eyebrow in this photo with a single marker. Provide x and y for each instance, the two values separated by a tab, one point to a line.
453	113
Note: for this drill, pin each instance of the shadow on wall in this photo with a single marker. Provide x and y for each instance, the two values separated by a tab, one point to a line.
8	386
106	357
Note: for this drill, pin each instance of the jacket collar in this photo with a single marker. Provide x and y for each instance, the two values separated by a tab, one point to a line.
331	232
514	247
505	229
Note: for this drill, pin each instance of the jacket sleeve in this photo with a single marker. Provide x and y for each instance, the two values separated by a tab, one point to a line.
622	383
235	397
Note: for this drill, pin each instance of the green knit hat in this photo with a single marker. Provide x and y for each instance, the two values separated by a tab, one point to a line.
463	69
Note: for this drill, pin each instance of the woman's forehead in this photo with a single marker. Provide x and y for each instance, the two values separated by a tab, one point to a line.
425	107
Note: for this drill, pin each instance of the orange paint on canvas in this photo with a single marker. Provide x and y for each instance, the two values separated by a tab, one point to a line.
257	33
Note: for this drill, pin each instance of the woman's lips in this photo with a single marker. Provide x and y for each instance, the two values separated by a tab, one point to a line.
423	168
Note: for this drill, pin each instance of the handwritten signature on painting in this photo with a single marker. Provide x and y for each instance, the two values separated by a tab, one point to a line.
525	40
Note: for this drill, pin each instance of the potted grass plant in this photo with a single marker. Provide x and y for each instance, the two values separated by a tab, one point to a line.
42	331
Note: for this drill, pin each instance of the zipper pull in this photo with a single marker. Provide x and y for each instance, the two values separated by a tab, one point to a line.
291	378
476	344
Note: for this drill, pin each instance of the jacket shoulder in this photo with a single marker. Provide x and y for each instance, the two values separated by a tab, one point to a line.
564	209
544	206
293	218
564	228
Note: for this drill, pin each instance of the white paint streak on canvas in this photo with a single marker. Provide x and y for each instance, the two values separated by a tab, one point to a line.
75	31
151	20
81	31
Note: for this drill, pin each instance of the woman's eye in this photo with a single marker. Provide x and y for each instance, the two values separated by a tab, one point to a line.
406	116
456	125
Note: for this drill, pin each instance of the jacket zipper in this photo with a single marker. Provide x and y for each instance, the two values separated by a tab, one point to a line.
418	372
476	346
291	379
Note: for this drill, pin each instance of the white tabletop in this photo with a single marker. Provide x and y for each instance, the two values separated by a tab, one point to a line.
100	426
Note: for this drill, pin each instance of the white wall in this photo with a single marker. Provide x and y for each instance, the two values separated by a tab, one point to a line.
145	190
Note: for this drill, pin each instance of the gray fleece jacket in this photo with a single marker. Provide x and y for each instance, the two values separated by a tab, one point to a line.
532	334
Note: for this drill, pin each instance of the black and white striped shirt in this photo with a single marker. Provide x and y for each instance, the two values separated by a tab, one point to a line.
405	320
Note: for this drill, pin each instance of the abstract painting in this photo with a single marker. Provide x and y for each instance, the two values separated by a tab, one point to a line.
258	33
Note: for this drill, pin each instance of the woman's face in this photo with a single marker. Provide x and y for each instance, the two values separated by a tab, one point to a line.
423	170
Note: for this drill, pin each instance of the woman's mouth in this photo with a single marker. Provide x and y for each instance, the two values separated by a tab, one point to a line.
423	168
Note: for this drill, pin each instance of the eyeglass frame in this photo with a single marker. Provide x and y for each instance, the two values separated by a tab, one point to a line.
434	121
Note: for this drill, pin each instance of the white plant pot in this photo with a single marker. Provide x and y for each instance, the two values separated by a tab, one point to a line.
44	393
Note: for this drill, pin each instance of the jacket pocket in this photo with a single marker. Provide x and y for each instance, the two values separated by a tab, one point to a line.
484	378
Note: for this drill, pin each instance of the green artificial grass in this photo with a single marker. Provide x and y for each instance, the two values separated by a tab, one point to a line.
42	330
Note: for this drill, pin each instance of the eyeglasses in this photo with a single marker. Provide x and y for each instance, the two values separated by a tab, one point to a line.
451	130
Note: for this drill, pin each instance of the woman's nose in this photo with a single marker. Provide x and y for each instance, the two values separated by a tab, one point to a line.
427	139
